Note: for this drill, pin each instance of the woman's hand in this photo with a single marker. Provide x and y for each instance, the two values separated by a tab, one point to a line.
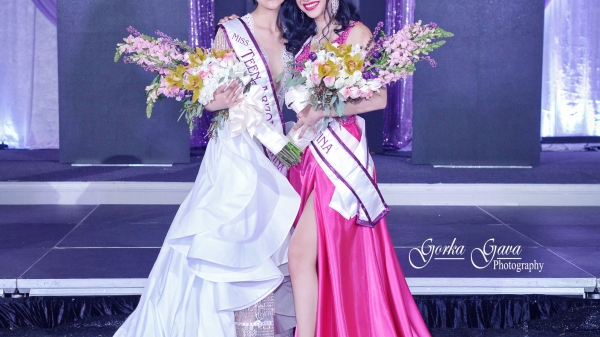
226	97
227	18
308	118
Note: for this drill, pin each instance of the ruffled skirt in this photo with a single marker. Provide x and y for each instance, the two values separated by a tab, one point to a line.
224	246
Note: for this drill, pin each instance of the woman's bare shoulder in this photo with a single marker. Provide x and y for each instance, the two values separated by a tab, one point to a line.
359	34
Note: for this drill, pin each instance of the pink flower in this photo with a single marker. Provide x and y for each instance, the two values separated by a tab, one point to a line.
366	92
228	57
354	92
329	81
165	90
315	78
345	92
315	66
203	74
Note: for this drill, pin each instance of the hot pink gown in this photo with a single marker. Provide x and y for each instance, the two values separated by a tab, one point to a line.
362	290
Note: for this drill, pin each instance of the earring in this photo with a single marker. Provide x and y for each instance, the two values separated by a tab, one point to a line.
335	5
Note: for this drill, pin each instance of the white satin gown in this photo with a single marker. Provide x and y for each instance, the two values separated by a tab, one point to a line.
224	247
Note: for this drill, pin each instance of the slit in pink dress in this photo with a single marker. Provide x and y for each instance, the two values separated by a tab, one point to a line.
362	290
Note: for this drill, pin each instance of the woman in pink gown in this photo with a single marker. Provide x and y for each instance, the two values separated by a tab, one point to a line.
346	278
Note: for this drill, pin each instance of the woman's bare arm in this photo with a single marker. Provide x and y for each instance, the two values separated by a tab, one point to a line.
361	34
225	96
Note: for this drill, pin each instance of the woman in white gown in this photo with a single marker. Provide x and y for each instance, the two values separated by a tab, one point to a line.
219	265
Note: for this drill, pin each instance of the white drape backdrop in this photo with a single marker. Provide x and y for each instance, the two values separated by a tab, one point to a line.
571	75
28	77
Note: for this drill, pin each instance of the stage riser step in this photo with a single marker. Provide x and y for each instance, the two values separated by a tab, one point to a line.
418	286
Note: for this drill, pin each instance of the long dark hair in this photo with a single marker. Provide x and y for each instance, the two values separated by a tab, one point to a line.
298	27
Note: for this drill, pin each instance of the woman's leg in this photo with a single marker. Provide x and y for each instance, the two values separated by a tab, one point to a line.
302	258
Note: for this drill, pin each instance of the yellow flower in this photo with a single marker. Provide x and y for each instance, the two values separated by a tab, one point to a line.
353	63
175	77
220	53
328	69
197	59
195	84
340	51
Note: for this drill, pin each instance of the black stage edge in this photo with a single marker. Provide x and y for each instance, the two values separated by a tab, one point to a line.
570	140
533	312
102	104
481	104
51	312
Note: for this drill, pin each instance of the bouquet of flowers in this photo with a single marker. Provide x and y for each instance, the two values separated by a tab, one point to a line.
330	77
337	74
393	57
160	55
193	76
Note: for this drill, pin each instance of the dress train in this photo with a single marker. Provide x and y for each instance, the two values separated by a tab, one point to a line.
224	246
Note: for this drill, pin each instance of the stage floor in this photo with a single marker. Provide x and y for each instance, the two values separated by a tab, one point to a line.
110	249
68	230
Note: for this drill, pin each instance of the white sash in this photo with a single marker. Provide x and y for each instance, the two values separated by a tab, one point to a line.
346	162
349	166
246	48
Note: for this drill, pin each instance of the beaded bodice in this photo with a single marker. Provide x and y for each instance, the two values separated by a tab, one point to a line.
286	58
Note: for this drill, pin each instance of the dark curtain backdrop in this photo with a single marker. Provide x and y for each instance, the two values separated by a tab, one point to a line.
202	23
567	101
481	105
102	103
397	127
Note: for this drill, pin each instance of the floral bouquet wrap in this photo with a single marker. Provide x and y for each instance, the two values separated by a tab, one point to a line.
337	74
192	75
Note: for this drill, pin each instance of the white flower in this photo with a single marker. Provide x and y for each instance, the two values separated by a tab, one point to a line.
357	76
321	55
375	86
152	96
